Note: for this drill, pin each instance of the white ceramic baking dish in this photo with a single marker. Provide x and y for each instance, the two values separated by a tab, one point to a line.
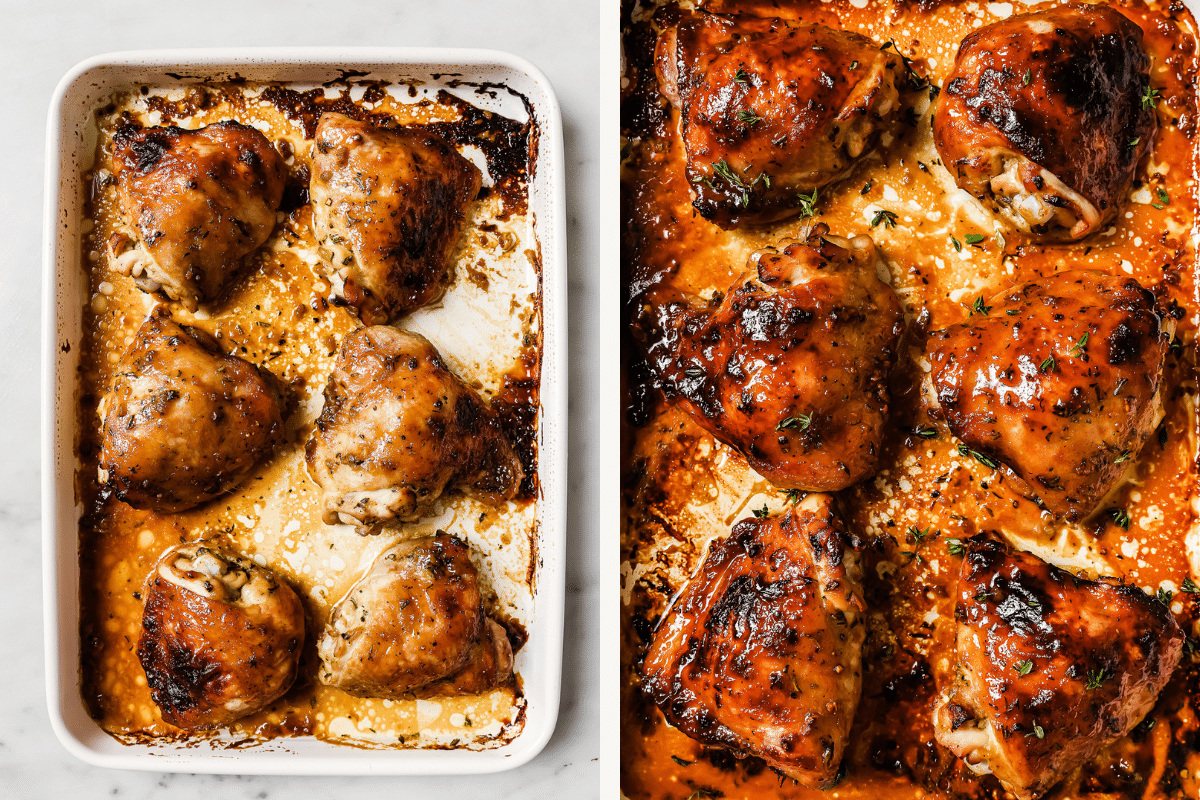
69	148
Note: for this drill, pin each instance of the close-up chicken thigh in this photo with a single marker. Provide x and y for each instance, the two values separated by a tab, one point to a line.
414	625
198	201
1051	667
389	206
221	637
1058	379
791	368
1045	116
762	652
770	109
398	428
183	422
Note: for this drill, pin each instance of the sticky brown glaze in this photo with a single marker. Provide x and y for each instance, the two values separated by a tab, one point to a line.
1057	379
221	636
414	619
199	201
762	653
398	428
791	368
1043	118
1051	667
388	208
183	422
771	108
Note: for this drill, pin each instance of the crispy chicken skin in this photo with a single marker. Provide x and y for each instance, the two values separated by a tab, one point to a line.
198	201
414	625
389	206
183	422
221	637
1042	117
762	652
791	368
1051	667
398	428
771	108
1060	381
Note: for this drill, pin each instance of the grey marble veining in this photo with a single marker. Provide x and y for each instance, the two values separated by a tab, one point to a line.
43	40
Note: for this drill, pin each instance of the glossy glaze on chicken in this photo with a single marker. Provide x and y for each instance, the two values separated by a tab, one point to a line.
1051	667
221	637
198	201
762	652
1059	380
1045	117
183	422
388	209
771	109
415	624
791	368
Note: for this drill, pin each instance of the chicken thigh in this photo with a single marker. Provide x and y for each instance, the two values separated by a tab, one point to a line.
1058	379
198	201
770	108
221	637
1045	116
762	652
389	205
1051	667
414	624
183	422
398	428
791	368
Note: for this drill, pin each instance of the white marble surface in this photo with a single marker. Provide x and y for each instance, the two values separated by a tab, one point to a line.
43	39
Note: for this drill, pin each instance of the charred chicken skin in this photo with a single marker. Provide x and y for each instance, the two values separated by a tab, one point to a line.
791	368
398	428
1044	117
762	652
389	205
1059	380
414	625
221	637
1051	667
770	109
183	422
198	201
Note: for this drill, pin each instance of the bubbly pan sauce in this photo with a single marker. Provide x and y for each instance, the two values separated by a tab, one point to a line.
282	315
681	488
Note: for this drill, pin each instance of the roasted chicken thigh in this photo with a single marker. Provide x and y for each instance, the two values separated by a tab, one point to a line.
183	422
221	637
1051	667
414	624
1045	116
198	200
762	652
770	108
388	207
791	368
398	428
1058	379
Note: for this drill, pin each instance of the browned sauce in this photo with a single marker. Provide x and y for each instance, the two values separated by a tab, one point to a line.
681	488
281	314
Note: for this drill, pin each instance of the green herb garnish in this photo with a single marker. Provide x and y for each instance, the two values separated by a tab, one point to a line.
886	217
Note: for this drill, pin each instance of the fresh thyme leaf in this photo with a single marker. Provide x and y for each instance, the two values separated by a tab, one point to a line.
1119	516
799	422
974	238
866	187
724	171
808	204
886	217
853	65
956	547
762	513
1164	596
979	308
1135	142
1028	77
1150	98
1121	459
1189	586
1037	731
924	431
1163	197
919	535
1024	667
680	761
1079	347
792	494
957	244
990	463
934	91
749	117
740	76
1095	679
1048	365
